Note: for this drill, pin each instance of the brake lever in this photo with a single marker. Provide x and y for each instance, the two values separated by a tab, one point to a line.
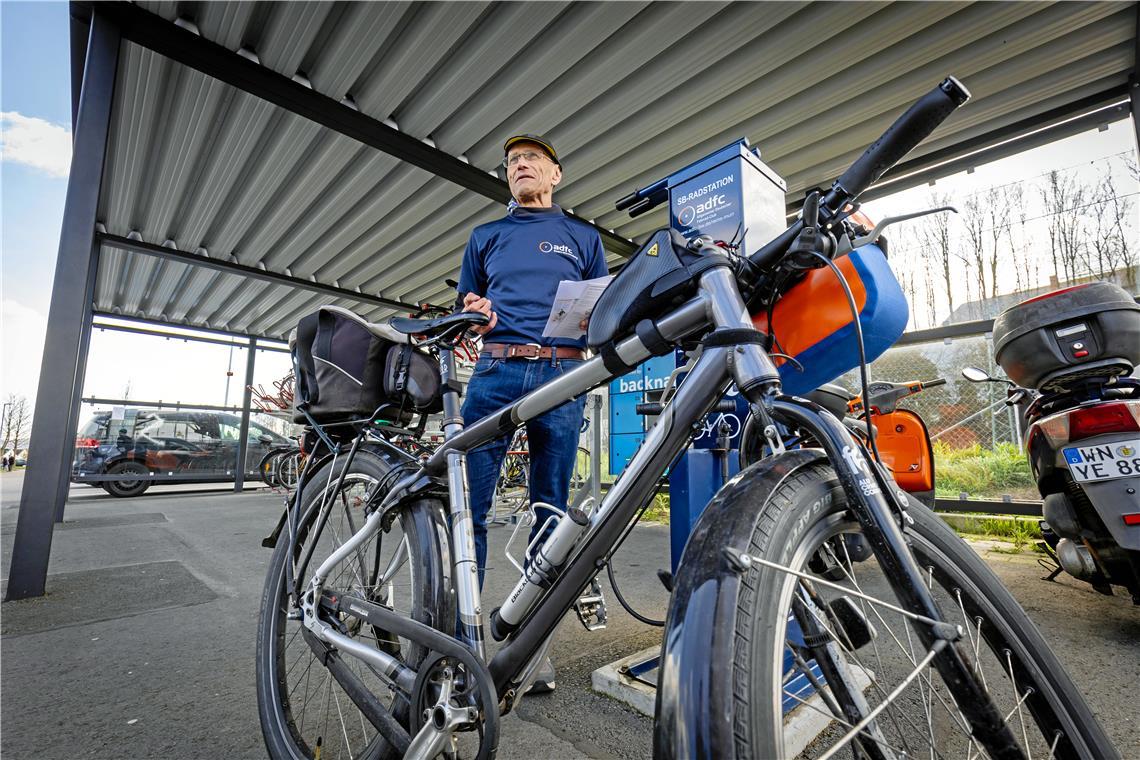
846	245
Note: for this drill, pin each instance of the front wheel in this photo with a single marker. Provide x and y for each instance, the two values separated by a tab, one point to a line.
823	658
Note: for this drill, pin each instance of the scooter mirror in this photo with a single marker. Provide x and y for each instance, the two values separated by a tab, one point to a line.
975	374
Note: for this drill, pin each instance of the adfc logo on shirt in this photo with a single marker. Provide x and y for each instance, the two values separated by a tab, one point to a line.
548	247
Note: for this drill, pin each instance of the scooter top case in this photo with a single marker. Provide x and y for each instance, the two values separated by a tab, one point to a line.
1054	340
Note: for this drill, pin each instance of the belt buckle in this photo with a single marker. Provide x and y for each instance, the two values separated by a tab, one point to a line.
537	352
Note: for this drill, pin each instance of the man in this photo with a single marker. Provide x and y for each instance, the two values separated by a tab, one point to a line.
511	270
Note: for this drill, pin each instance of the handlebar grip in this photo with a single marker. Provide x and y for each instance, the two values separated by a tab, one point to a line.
621	204
909	130
935	383
725	405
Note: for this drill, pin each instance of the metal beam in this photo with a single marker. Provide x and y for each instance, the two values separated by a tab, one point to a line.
176	336
179	326
990	507
1025	134
1011	147
80	16
959	330
264	275
155	33
161	404
49	455
246	399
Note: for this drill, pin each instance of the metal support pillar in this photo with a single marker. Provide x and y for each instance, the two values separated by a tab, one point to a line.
1134	82
246	403
1134	101
53	429
80	368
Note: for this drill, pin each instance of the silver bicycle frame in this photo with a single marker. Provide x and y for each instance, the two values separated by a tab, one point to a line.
718	304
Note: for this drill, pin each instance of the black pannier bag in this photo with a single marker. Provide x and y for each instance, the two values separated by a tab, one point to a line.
349	369
662	274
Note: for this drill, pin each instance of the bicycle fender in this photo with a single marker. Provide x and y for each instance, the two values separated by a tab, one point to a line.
695	681
382	449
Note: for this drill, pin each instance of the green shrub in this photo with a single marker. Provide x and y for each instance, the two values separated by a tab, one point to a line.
658	510
982	472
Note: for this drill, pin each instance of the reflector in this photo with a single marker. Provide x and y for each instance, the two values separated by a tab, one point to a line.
1102	418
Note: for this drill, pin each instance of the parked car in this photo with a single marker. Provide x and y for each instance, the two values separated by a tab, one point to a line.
139	444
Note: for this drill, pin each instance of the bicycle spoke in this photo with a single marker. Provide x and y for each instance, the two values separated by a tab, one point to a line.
938	646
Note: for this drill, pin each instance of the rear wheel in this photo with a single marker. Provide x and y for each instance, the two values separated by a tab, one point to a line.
844	656
129	485
305	712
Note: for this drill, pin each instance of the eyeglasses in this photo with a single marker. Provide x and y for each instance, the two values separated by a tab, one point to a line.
529	156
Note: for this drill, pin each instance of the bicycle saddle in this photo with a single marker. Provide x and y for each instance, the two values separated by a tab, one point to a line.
453	323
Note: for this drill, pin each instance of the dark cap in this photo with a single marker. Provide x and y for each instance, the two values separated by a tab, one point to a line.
537	140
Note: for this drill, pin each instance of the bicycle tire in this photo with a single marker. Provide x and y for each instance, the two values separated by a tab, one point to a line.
266	468
429	599
803	524
287	468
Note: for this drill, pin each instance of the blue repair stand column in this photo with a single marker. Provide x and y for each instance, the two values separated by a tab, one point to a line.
732	196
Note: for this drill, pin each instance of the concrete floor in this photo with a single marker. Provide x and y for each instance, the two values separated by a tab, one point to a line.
143	647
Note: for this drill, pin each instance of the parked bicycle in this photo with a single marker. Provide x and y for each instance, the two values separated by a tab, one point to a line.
810	580
512	490
280	467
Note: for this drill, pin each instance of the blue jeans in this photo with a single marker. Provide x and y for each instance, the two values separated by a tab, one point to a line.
552	439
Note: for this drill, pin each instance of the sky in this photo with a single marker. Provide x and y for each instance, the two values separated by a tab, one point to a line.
35	103
36	117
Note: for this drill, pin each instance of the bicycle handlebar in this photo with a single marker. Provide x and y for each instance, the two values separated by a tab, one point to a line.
914	126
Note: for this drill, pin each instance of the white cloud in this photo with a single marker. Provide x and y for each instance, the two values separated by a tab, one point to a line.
21	348
35	142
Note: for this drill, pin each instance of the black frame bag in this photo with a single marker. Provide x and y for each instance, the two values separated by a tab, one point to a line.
661	275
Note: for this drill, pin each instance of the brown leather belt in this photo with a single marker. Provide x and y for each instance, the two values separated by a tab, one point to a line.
530	351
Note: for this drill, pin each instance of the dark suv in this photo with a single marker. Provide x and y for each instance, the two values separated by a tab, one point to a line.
182	447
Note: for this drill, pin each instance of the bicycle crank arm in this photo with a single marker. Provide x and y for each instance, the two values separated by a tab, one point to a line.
392	622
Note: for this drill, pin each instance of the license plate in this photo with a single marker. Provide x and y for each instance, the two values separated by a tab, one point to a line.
1104	462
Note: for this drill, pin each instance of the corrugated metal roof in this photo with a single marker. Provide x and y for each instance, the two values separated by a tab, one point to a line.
627	91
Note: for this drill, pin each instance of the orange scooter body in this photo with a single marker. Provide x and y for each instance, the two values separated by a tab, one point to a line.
904	445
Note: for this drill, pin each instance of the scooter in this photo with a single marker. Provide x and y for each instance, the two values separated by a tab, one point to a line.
1083	446
901	436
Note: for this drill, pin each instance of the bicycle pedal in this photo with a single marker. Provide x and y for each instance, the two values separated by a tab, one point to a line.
591	608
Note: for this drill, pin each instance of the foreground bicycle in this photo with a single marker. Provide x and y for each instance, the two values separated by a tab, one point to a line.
810	579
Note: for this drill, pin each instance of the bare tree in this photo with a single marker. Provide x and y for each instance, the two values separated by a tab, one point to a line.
1026	267
998	209
1065	199
17	423
903	246
938	246
1105	242
974	255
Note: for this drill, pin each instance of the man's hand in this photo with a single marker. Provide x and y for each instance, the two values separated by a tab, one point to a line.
477	303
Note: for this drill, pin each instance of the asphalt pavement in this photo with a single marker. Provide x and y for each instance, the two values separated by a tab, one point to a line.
143	647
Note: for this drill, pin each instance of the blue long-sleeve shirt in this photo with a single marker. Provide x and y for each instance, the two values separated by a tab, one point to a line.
518	261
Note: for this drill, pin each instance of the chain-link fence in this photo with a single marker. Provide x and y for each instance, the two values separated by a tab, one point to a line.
976	435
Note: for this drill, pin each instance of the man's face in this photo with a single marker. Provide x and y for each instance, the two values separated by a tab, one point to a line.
531	177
